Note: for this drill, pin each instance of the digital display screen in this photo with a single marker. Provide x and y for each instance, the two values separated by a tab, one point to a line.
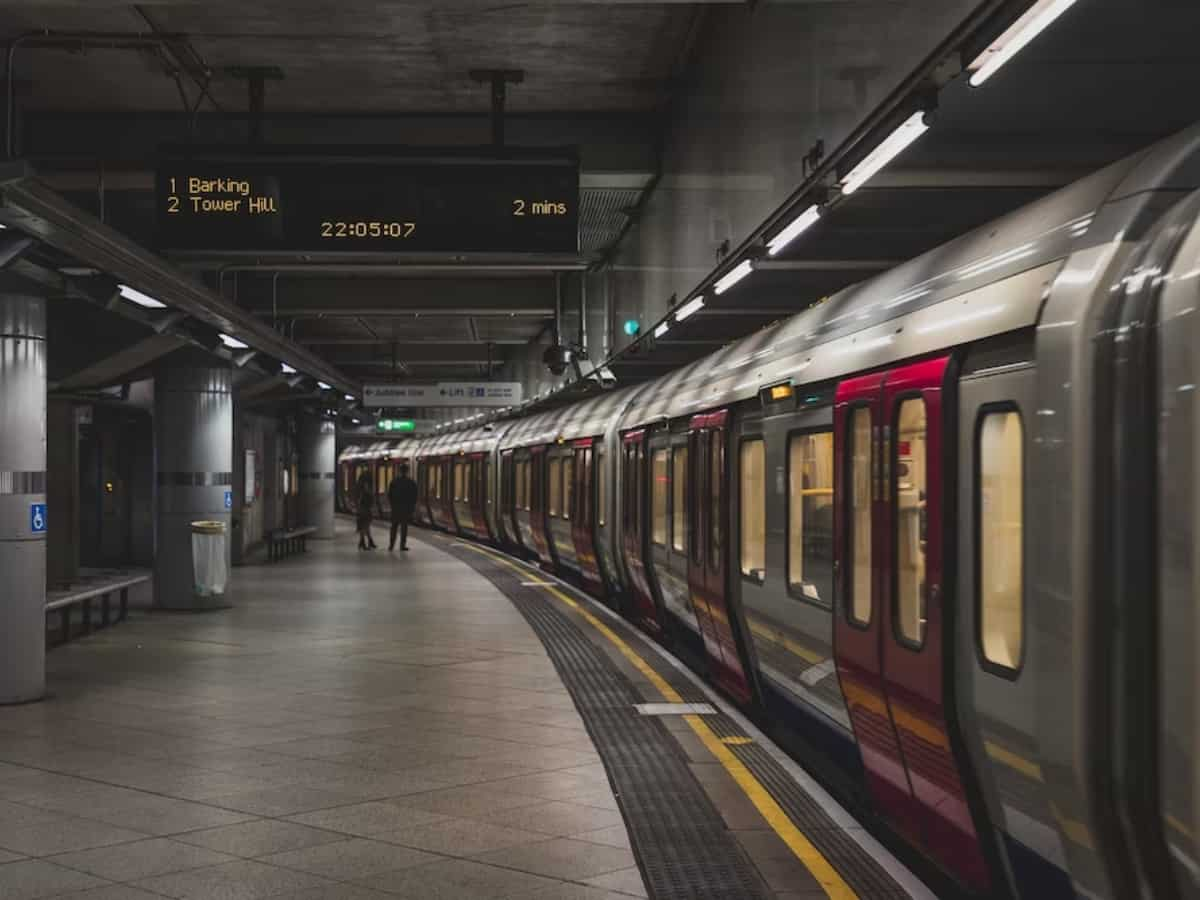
371	202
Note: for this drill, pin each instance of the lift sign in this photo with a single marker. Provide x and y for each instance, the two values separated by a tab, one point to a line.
37	518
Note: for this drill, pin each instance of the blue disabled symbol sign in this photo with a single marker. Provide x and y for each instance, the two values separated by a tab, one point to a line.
229	499
37	518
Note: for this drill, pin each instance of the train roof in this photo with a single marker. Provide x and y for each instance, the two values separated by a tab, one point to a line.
986	282
588	418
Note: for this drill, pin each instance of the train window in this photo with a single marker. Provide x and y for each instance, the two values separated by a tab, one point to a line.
568	486
810	516
487	480
910	489
716	529
999	506
679	522
658	499
752	495
555	487
458	480
859	441
602	487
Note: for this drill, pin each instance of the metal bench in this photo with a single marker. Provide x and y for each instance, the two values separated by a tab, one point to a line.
281	543
102	586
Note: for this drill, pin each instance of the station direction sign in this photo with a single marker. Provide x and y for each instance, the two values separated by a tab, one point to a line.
385	200
445	393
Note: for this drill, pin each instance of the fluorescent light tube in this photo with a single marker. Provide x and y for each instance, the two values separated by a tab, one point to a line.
233	343
732	277
143	300
286	369
696	303
662	329
322	385
893	145
349	397
1036	19
799	225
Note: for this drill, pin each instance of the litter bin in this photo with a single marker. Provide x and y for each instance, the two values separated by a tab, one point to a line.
208	559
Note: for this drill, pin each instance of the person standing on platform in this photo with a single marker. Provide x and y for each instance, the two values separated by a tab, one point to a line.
402	495
365	508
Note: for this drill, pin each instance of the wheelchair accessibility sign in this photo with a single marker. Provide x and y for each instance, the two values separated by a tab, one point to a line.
37	518
229	499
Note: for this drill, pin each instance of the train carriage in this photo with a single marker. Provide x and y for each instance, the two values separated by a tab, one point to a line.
937	532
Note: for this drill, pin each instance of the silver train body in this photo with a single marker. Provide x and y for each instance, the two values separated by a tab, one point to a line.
939	533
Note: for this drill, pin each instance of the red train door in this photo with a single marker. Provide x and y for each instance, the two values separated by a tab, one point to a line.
633	527
583	519
708	557
892	644
537	504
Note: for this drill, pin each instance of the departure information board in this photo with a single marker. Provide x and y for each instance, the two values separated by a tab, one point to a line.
376	201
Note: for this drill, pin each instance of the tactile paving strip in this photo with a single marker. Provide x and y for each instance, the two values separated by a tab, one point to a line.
678	837
859	869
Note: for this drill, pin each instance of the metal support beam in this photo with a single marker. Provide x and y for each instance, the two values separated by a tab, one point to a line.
498	80
113	369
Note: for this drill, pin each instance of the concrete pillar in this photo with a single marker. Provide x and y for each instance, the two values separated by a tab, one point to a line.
193	420
317	438
23	515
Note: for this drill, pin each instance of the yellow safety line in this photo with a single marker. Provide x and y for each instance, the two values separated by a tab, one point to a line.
1015	761
826	875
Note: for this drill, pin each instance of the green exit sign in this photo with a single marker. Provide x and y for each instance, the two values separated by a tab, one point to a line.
390	426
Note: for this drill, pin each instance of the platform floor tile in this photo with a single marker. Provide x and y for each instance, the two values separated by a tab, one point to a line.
357	726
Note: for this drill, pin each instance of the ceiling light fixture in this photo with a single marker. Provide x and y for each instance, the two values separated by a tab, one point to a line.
322	385
733	276
1036	20
663	328
143	300
233	343
891	147
798	226
349	397
693	305
286	369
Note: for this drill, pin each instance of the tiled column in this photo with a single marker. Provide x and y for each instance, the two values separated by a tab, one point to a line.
23	514
193	420
318	469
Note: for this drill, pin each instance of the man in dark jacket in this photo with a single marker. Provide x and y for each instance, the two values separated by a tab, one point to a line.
402	495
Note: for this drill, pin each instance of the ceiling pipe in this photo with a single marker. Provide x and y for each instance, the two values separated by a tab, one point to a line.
67	40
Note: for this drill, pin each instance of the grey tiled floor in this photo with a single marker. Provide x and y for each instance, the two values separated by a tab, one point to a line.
358	726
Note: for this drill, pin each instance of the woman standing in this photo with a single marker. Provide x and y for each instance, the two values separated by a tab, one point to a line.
365	507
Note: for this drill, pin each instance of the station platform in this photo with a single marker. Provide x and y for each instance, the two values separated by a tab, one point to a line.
441	723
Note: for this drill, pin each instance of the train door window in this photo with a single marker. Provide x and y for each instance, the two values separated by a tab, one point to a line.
753	501
696	449
810	516
658	499
860	515
487	480
568	486
631	510
528	485
458	480
555	486
909	490
602	488
999	508
716	522
679	522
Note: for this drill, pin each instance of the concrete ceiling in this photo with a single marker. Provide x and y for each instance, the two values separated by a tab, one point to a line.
364	55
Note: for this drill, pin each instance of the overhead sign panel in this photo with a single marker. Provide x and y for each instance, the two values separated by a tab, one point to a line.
446	393
384	201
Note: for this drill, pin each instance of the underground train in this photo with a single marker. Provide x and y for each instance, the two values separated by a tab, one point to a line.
938	533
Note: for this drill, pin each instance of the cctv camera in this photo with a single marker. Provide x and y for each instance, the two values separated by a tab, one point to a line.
557	358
